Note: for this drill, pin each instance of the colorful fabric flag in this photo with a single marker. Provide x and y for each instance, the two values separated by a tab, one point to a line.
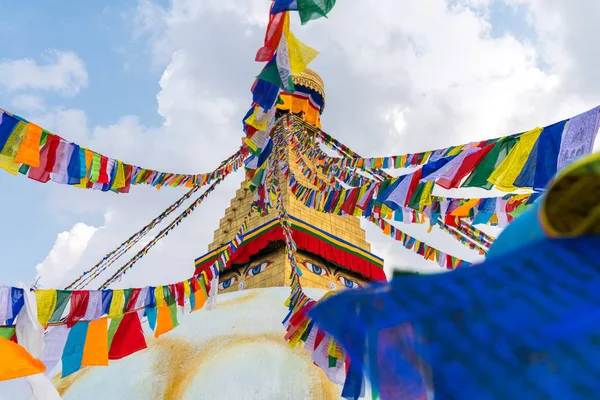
128	338
579	137
95	350
78	306
46	303
117	304
507	172
11	147
16	362
164	322
73	351
29	152
54	344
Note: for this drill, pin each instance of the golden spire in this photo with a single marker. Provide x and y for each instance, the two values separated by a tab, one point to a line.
310	79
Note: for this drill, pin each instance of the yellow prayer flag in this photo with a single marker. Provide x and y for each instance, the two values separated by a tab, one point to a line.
425	199
258	119
11	147
509	169
46	302
119	181
95	350
335	350
117	303
16	362
187	290
386	212
300	54
159	294
29	152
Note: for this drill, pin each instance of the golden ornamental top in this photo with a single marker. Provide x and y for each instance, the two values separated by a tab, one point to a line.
311	80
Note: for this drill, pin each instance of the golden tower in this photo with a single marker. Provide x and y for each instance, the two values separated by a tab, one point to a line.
332	250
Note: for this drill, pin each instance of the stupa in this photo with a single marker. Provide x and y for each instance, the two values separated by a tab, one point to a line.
333	250
238	350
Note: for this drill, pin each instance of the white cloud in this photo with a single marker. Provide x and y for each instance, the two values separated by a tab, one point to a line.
28	102
65	254
61	71
400	77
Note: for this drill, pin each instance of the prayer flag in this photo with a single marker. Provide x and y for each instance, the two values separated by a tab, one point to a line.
73	352
95	350
16	362
128	339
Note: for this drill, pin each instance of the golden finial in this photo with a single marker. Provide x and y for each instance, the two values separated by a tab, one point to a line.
311	80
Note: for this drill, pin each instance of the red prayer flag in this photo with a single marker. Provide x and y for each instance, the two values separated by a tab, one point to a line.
180	294
135	293
128	339
103	176
468	165
79	303
350	203
272	37
416	177
47	159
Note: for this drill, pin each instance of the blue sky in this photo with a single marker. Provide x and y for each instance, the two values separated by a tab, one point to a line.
102	35
501	63
168	81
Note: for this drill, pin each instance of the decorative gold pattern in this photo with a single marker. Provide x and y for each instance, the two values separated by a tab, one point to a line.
311	80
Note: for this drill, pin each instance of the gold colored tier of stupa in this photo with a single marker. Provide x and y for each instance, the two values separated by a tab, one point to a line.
270	266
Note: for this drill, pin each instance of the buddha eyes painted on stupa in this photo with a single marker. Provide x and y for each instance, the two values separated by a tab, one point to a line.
316	269
338	278
348	283
255	270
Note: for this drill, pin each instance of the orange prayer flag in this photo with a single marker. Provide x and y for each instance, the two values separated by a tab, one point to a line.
29	152
164	323
463	211
95	350
16	362
387	229
200	299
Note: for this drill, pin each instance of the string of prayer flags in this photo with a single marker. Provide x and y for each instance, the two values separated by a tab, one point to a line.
426	251
163	233
30	150
89	328
326	353
525	160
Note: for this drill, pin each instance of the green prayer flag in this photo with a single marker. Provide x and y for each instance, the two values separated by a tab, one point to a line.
332	362
44	138
313	9
481	173
24	169
127	293
7	332
62	299
95	168
271	74
112	329
173	312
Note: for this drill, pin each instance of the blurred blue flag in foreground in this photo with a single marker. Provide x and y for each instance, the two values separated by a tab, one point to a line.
523	325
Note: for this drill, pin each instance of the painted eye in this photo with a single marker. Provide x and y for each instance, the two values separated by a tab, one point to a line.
315	269
350	284
226	283
257	270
